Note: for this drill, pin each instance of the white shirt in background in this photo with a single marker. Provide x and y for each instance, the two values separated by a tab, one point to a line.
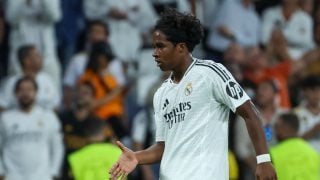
48	95
125	38
298	30
242	21
307	121
31	146
34	23
77	66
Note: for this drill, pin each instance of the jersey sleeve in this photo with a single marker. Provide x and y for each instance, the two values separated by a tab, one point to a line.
226	90
160	130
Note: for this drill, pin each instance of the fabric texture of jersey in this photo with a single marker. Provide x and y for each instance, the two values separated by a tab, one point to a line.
192	119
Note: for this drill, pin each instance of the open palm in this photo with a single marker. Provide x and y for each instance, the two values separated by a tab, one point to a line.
126	163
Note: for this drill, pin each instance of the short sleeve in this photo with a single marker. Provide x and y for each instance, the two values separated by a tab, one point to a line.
226	90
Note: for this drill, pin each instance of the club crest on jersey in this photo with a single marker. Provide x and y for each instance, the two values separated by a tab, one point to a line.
234	90
188	89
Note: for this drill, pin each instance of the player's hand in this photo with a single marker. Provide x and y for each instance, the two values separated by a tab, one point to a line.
125	165
2	178
265	171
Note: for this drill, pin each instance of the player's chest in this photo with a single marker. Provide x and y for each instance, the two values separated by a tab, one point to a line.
177	100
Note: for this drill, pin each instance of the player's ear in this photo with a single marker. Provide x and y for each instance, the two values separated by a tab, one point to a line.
182	47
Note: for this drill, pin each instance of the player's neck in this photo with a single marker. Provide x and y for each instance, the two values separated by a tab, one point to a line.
26	109
179	72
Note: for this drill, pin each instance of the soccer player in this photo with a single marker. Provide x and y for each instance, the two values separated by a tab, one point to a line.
191	111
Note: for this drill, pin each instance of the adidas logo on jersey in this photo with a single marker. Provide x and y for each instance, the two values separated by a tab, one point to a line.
166	102
177	114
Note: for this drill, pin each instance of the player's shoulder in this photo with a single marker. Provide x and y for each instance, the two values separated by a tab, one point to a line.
163	86
213	69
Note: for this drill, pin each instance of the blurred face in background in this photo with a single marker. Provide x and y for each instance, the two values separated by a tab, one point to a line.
265	94
33	61
257	59
26	94
306	5
312	95
84	95
97	33
234	54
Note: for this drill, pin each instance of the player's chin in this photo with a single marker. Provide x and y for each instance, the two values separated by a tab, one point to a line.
163	68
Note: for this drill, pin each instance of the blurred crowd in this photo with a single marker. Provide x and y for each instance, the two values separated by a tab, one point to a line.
77	75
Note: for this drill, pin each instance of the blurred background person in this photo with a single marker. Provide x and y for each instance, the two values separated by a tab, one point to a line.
266	101
293	157
93	160
244	28
30	60
4	32
69	30
289	21
259	68
32	22
31	145
74	122
307	6
97	36
108	97
309	111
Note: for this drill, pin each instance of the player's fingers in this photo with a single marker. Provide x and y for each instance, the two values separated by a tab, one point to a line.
121	146
113	167
117	172
124	176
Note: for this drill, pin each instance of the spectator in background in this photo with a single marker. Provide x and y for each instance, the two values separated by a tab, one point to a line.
266	102
259	69
108	100
31	144
293	157
160	5
309	111
143	130
69	28
74	122
30	60
92	161
293	24
244	28
3	42
317	13
32	22
121	17
307	6
97	33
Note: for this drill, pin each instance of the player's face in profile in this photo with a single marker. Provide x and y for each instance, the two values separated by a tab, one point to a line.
26	94
165	53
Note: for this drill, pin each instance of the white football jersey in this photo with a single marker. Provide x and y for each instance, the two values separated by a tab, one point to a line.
192	119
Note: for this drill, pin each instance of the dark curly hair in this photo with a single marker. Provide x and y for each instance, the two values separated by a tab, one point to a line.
180	27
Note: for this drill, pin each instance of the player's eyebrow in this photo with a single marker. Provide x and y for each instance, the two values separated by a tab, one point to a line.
158	44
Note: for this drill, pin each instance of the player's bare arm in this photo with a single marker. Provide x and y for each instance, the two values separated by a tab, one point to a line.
129	160
264	170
